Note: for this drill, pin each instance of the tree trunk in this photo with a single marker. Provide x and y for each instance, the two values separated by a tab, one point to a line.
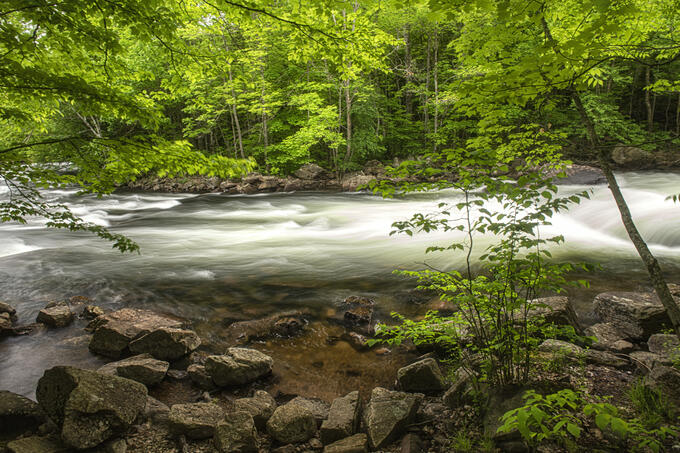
648	102
436	88
653	268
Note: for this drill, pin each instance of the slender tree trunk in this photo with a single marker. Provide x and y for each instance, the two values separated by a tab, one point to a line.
632	90
653	268
677	118
408	70
426	100
436	88
648	102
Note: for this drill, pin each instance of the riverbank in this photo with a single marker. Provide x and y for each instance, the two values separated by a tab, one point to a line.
164	389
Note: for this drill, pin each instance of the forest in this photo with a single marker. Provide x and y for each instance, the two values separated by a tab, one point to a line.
218	325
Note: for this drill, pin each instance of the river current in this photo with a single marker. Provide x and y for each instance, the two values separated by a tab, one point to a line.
213	258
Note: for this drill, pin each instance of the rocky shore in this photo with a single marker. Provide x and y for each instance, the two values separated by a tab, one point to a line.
117	408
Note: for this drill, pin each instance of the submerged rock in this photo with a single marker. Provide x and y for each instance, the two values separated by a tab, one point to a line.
286	324
238	366
260	406
166	343
236	434
141	368
358	313
343	419
388	414
114	331
634	315
292	423
56	314
89	407
423	376
196	420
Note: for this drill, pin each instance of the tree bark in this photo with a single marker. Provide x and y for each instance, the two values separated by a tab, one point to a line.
653	268
648	102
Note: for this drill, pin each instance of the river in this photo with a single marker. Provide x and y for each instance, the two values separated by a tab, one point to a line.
214	258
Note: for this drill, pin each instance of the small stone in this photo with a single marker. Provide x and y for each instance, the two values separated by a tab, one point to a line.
316	406
357	443
55	315
388	414
196	421
239	366
166	343
7	308
292	423
260	406
155	411
236	434
343	419
559	346
423	376
200	377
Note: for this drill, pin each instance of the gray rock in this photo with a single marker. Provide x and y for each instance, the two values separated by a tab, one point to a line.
632	157
166	343
89	407
343	419
196	421
236	434
556	310
460	392
91	312
239	366
388	414
607	338
423	376
292	423
155	411
666	345
316	406
141	368
7	308
5	323
357	443
559	346
56	315
603	358
200	377
634	315
582	175
114	331
260	406
667	380
116	446
311	171
37	444
644	360
18	414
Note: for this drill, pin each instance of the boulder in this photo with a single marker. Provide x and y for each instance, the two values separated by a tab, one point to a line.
667	345
423	376
555	310
286	324
632	157
646	361
292	423
141	368
374	167
18	414
667	380
196	420
311	171
559	346
260	406
388	414
114	331
356	340
316	406
89	407
55	314
343	419
581	175
200	377
238	366
358	313
357	443
635	315
607	337
460	392
37	444
603	358
236	434
268	184
352	182
166	343
7	308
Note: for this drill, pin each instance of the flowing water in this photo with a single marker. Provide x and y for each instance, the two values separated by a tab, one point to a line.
215	258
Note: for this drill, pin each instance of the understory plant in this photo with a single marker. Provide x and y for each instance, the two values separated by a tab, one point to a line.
562	417
495	291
